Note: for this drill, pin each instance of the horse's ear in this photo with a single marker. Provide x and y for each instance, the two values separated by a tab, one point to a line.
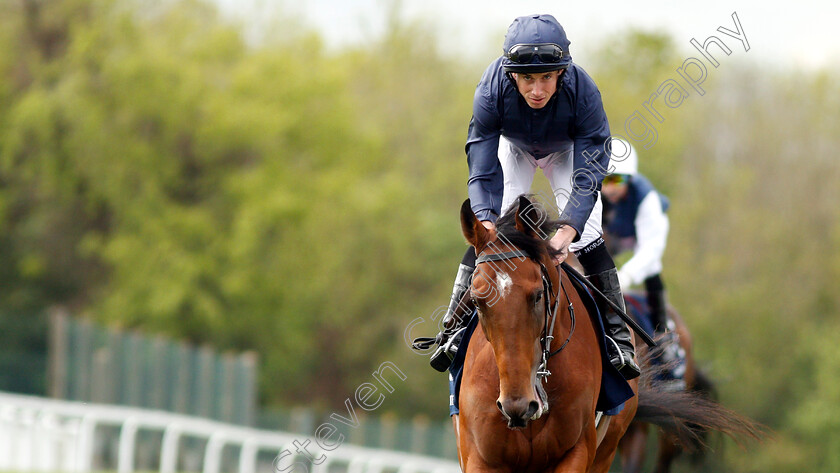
472	228
528	218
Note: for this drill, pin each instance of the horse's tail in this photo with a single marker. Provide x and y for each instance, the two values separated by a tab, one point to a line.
703	386
690	415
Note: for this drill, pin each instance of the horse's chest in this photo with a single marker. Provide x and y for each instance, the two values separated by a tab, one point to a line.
535	448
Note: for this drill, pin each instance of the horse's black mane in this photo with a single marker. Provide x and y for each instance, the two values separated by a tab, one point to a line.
534	247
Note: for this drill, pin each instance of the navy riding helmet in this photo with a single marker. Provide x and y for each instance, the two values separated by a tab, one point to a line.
536	43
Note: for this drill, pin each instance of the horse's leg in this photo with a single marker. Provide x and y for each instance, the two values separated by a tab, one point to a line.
602	429
607	449
668	451
457	429
468	457
478	467
605	453
633	447
471	462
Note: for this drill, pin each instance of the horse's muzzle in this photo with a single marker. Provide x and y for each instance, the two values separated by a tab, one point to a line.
518	411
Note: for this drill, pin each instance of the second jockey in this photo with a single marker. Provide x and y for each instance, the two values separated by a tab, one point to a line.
635	219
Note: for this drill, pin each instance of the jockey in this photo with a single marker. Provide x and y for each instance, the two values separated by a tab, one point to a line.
635	219
535	108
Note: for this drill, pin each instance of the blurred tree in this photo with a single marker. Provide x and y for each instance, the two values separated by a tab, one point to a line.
629	67
249	197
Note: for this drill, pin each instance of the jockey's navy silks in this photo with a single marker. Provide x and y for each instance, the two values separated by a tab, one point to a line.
623	222
573	121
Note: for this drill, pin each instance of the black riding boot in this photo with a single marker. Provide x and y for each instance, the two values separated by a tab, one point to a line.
672	355
600	269
622	356
656	302
459	309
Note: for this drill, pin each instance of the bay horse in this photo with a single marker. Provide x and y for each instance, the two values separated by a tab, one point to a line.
508	420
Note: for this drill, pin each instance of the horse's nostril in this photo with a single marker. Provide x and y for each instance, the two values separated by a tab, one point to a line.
533	407
499	405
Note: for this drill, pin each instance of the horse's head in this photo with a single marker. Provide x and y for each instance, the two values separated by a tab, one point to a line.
509	294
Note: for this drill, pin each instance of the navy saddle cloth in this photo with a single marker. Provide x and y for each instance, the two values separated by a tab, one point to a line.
637	307
614	388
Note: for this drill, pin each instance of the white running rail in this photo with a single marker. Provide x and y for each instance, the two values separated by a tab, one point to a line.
48	435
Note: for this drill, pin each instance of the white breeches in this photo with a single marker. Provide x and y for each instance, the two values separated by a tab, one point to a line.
519	168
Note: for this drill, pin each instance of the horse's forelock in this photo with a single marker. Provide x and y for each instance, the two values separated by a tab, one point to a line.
534	247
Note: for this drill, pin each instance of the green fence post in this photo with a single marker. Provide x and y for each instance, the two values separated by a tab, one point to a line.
58	352
183	378
133	370
159	382
205	394
246	381
81	360
359	435
102	381
122	365
224	388
302	421
419	432
388	435
450	449
193	406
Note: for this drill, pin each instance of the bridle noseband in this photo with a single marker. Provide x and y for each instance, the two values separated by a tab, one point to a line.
550	310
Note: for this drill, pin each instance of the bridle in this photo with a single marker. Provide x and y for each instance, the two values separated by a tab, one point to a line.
550	313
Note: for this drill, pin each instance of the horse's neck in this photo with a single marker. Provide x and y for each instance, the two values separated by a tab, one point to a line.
559	308
571	315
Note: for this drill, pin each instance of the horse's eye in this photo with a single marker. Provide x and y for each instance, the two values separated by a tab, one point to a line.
538	297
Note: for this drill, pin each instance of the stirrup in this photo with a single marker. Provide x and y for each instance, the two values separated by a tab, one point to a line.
625	364
442	358
423	343
616	355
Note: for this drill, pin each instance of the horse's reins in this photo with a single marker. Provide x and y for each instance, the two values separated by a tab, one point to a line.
542	370
550	311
